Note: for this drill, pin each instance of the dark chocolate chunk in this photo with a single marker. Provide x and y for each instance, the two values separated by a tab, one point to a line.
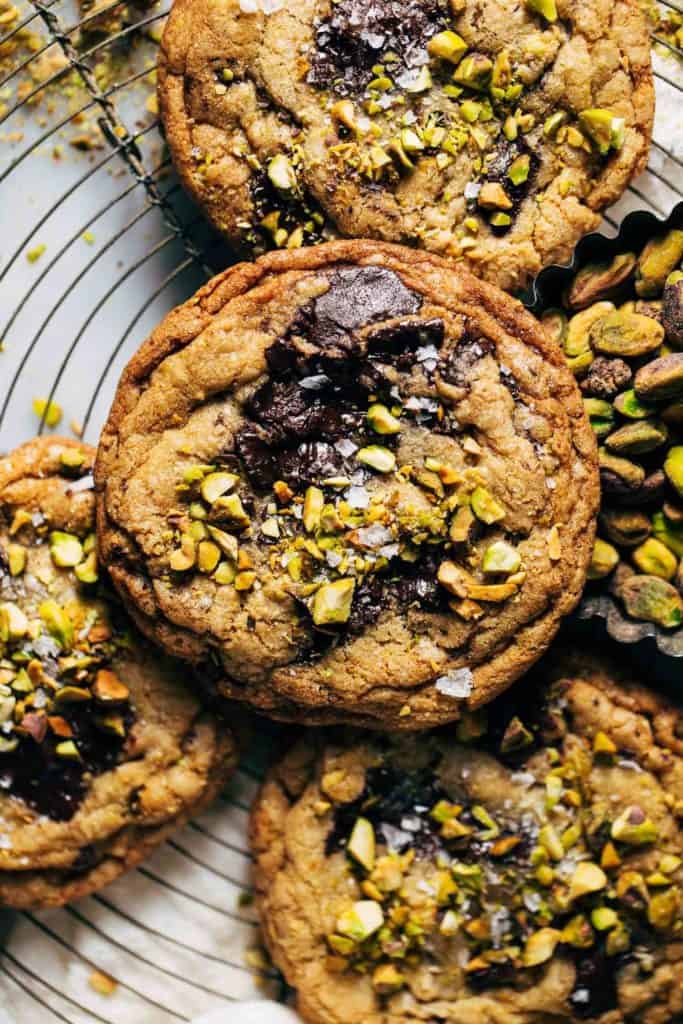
358	32
359	296
460	360
310	463
259	460
595	988
396	343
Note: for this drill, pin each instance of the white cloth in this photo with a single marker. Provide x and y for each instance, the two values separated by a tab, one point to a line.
261	1012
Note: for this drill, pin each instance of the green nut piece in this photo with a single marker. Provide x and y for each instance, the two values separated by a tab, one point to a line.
628	474
314	501
670	534
672	309
377	457
184	558
581	363
208	556
663	909
658	259
86	571
628	335
58	623
596	281
501	557
554	323
331	603
474	72
72	458
518	171
546	8
673	467
51	412
361	921
361	844
227	542
540	946
652	599
634	828
13	622
587	878
577	338
500	220
282	173
604	559
229	509
604	918
66	549
16	558
554	122
447	46
625	527
215	485
655	559
604	128
600	414
630	406
382	421
638	438
485	506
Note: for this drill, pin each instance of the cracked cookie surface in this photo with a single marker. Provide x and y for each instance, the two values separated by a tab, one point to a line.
493	133
356	482
525	870
102	750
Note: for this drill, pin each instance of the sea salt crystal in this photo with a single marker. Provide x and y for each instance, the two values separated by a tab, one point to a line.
457	683
314	383
265	6
358	497
333	559
523	778
581	995
389	551
425	353
5	843
86	483
411	823
551	483
395	838
374	536
346	447
472	190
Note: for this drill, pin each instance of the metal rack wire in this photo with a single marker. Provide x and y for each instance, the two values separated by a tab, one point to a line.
122	246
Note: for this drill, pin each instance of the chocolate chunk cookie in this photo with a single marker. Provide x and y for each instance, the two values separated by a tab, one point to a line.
355	481
490	132
102	751
528	869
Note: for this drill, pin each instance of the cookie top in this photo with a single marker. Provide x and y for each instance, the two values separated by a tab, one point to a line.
102	750
358	481
491	132
527	868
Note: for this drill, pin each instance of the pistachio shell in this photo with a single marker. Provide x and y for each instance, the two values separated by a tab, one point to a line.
596	281
652	599
661	380
660	256
638	438
626	334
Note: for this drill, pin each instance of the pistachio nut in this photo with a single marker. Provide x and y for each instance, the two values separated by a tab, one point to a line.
601	415
663	909
230	510
655	559
282	174
381	420
58	622
651	490
208	556
673	414
603	127
387	979
361	844
546	8
587	878
652	599
625	527
603	560
485	506
540	946
661	380
86	571
638	438
361	921
492	196
16	559
577	338
474	71
670	534
673	467
377	457
314	501
501	557
597	281
658	259
618	474
13	622
630	406
628	335
215	485
672	309
634	827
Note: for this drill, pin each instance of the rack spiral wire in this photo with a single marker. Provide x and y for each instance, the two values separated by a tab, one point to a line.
112	244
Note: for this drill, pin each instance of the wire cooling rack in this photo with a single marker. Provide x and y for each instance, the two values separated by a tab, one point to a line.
97	243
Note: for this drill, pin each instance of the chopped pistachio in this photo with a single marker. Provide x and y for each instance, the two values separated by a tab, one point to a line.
578	933
225	573
377	457
634	828
314	502
227	542
361	921
587	878
518	171
492	196
108	688
208	556
546	8
500	220
501	557
485	506
215	485
474	72
382	421
68	749
361	844
447	46
605	129
540	946
48	411
57	622
331	603
602	744
282	174
245	580
16	558
86	571
604	559
184	558
343	112
14	624
66	549
229	508
422	82
664	908
387	978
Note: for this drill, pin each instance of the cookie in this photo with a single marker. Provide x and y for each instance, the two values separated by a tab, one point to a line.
102	750
526	868
355	480
489	132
